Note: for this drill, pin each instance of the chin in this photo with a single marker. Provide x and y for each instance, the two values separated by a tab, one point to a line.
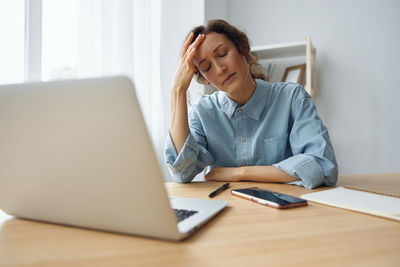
234	87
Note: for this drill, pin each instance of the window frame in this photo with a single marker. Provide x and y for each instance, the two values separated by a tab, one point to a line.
33	41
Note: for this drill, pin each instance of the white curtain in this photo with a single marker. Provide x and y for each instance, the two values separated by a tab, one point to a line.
147	67
123	37
105	37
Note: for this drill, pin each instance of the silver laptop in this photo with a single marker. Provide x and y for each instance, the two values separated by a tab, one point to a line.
78	153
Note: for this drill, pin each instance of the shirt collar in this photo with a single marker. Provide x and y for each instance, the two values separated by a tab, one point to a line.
228	105
254	106
258	100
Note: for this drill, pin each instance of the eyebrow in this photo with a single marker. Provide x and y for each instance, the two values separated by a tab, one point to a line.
201	61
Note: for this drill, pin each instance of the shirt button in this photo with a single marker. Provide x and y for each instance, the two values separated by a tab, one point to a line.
240	110
243	139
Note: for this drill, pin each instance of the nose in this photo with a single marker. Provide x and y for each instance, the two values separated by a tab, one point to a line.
220	67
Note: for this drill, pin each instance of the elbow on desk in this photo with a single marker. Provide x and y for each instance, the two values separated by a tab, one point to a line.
182	177
331	178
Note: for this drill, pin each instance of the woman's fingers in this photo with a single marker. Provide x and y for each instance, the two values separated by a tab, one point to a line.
190	54
186	68
192	46
191	51
197	42
187	43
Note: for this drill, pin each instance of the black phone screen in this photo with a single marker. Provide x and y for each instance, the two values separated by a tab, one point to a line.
279	198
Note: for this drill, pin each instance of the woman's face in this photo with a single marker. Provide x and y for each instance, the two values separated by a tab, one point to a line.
221	64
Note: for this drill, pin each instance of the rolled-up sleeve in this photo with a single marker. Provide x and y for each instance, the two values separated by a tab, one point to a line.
313	160
193	157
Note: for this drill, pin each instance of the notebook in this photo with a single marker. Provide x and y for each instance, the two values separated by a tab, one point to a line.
356	200
78	153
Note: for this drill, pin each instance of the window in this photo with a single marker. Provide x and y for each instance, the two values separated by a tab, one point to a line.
12	28
86	38
65	39
60	37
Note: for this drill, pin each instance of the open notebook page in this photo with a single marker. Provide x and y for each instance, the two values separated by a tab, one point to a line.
365	202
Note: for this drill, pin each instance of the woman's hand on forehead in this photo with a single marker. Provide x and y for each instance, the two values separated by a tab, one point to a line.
187	68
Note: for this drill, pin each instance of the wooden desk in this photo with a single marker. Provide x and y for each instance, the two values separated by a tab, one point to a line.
244	234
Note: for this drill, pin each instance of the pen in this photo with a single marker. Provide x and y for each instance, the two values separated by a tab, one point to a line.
219	190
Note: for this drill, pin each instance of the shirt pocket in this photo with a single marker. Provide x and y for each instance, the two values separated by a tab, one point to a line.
275	149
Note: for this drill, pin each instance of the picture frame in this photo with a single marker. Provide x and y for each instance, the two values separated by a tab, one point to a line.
294	74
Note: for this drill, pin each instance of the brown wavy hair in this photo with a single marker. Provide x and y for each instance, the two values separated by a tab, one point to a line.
238	38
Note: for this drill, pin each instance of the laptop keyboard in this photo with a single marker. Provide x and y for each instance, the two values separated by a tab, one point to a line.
183	214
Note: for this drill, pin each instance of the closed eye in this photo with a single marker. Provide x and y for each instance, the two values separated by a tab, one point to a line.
209	66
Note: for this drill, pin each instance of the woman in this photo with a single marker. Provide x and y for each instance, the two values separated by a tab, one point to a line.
249	129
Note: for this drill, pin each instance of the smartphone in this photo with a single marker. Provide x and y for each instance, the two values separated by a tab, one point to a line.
269	198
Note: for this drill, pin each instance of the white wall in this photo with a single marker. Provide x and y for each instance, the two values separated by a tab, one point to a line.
216	9
358	53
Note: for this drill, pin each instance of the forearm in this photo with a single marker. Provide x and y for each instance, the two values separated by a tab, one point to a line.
269	174
179	127
265	174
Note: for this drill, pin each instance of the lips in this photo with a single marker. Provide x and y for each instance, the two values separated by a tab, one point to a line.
228	79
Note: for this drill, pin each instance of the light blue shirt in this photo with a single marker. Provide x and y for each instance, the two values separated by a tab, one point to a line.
278	126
